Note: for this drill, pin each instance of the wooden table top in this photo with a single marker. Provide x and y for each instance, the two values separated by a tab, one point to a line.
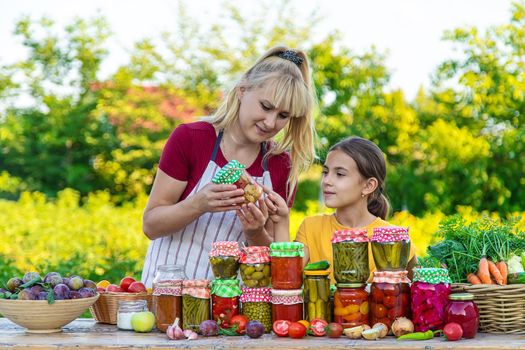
86	334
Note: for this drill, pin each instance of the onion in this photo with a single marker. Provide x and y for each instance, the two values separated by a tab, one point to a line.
402	326
382	328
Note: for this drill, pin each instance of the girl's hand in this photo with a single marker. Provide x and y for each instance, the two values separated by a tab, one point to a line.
214	198
253	218
277	206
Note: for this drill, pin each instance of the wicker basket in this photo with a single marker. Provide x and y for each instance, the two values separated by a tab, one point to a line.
501	308
106	307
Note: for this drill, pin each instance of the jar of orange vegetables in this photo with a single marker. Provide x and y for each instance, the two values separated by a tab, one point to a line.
351	304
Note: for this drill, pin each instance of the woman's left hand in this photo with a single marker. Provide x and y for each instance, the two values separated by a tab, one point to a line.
253	218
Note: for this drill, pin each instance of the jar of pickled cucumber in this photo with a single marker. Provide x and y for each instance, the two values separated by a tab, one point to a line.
350	251
224	259
225	300
317	295
255	266
351	304
391	248
287	264
287	305
389	297
195	303
257	306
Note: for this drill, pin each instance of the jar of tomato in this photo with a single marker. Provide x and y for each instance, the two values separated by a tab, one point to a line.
257	306
389	297
287	264
350	251
167	295
351	304
462	310
225	300
390	248
429	296
255	266
287	305
224	259
317	295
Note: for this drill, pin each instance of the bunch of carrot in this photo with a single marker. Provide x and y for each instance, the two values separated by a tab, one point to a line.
489	273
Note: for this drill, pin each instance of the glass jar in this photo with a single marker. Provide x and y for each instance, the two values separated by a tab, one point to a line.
235	173
224	259
287	305
429	296
225	300
462	310
389	297
287	264
195	303
256	305
351	304
255	266
126	309
317	295
350	252
391	248
167	295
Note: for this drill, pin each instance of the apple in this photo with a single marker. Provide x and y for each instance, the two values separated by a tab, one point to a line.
101	290
143	322
114	288
136	287
125	282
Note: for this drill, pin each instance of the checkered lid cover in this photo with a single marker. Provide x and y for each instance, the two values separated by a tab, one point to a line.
286	249
255	295
391	277
287	297
226	288
196	288
229	173
431	275
226	248
350	236
255	255
390	234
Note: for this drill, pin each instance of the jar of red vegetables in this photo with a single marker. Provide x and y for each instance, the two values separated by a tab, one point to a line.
287	305
287	264
429	296
462	310
389	297
225	300
351	304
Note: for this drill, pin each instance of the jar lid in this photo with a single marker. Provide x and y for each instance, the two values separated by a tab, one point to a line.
317	273
286	249
391	277
357	235
350	285
286	292
229	173
461	296
226	288
255	255
225	248
390	234
431	275
256	295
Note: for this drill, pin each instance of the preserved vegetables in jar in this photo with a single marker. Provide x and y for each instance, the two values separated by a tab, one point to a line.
167	295
235	173
389	297
463	311
287	265
351	306
391	248
256	305
195	303
224	259
225	300
429	295
287	305
350	252
317	295
255	266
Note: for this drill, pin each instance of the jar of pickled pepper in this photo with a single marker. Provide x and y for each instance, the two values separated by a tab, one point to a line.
255	266
287	264
257	306
389	297
350	252
225	300
287	305
390	248
317	295
195	303
351	304
224	259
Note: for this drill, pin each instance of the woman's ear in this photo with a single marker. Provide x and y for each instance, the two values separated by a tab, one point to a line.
240	92
370	186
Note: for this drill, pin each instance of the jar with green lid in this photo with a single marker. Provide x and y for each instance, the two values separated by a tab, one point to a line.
351	304
391	248
287	264
224	259
235	173
195	303
317	295
257	306
255	266
350	251
225	300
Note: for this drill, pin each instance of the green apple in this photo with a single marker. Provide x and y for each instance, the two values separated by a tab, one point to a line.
143	322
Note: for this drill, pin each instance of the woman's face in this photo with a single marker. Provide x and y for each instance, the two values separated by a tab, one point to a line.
259	118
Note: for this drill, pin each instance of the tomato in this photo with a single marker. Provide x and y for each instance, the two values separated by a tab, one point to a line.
405	300
280	327
318	327
377	295
392	289
378	310
296	330
389	301
126	282
396	312
453	331
241	322
334	330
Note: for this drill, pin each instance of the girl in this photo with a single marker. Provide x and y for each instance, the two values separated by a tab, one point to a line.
186	213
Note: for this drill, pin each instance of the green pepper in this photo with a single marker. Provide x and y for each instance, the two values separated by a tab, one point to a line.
419	335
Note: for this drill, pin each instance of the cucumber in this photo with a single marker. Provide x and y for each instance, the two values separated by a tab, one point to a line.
319	265
516	278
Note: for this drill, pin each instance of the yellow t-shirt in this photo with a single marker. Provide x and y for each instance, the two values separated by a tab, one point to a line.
316	233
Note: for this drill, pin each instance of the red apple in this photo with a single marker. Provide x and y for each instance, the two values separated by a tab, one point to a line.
101	290
125	283
136	287
114	288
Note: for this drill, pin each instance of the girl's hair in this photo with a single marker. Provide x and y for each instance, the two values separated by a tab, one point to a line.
370	163
293	93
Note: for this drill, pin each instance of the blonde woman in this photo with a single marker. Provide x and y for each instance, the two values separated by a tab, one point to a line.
186	212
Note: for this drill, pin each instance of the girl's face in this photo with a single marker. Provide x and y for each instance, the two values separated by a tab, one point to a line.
342	184
259	118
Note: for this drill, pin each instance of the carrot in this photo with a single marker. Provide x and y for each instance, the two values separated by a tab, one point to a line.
502	267
483	271
493	269
473	279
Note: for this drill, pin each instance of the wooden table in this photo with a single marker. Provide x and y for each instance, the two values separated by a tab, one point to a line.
86	334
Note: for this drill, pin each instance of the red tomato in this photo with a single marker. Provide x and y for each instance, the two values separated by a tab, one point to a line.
334	330
296	330
405	299
241	322
392	289
453	331
379	311
389	301
377	295
318	327
136	287
280	327
126	282
396	312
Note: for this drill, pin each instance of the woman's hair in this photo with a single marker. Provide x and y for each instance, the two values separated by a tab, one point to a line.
370	163
289	78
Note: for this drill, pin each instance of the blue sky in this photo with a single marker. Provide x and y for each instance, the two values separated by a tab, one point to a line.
411	30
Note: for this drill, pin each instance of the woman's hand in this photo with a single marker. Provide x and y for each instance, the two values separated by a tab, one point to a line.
277	208
253	218
215	197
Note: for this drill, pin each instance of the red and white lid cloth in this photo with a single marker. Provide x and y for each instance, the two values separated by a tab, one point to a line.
196	288
357	235
393	277
168	287
287	297
256	295
225	248
255	255
390	234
